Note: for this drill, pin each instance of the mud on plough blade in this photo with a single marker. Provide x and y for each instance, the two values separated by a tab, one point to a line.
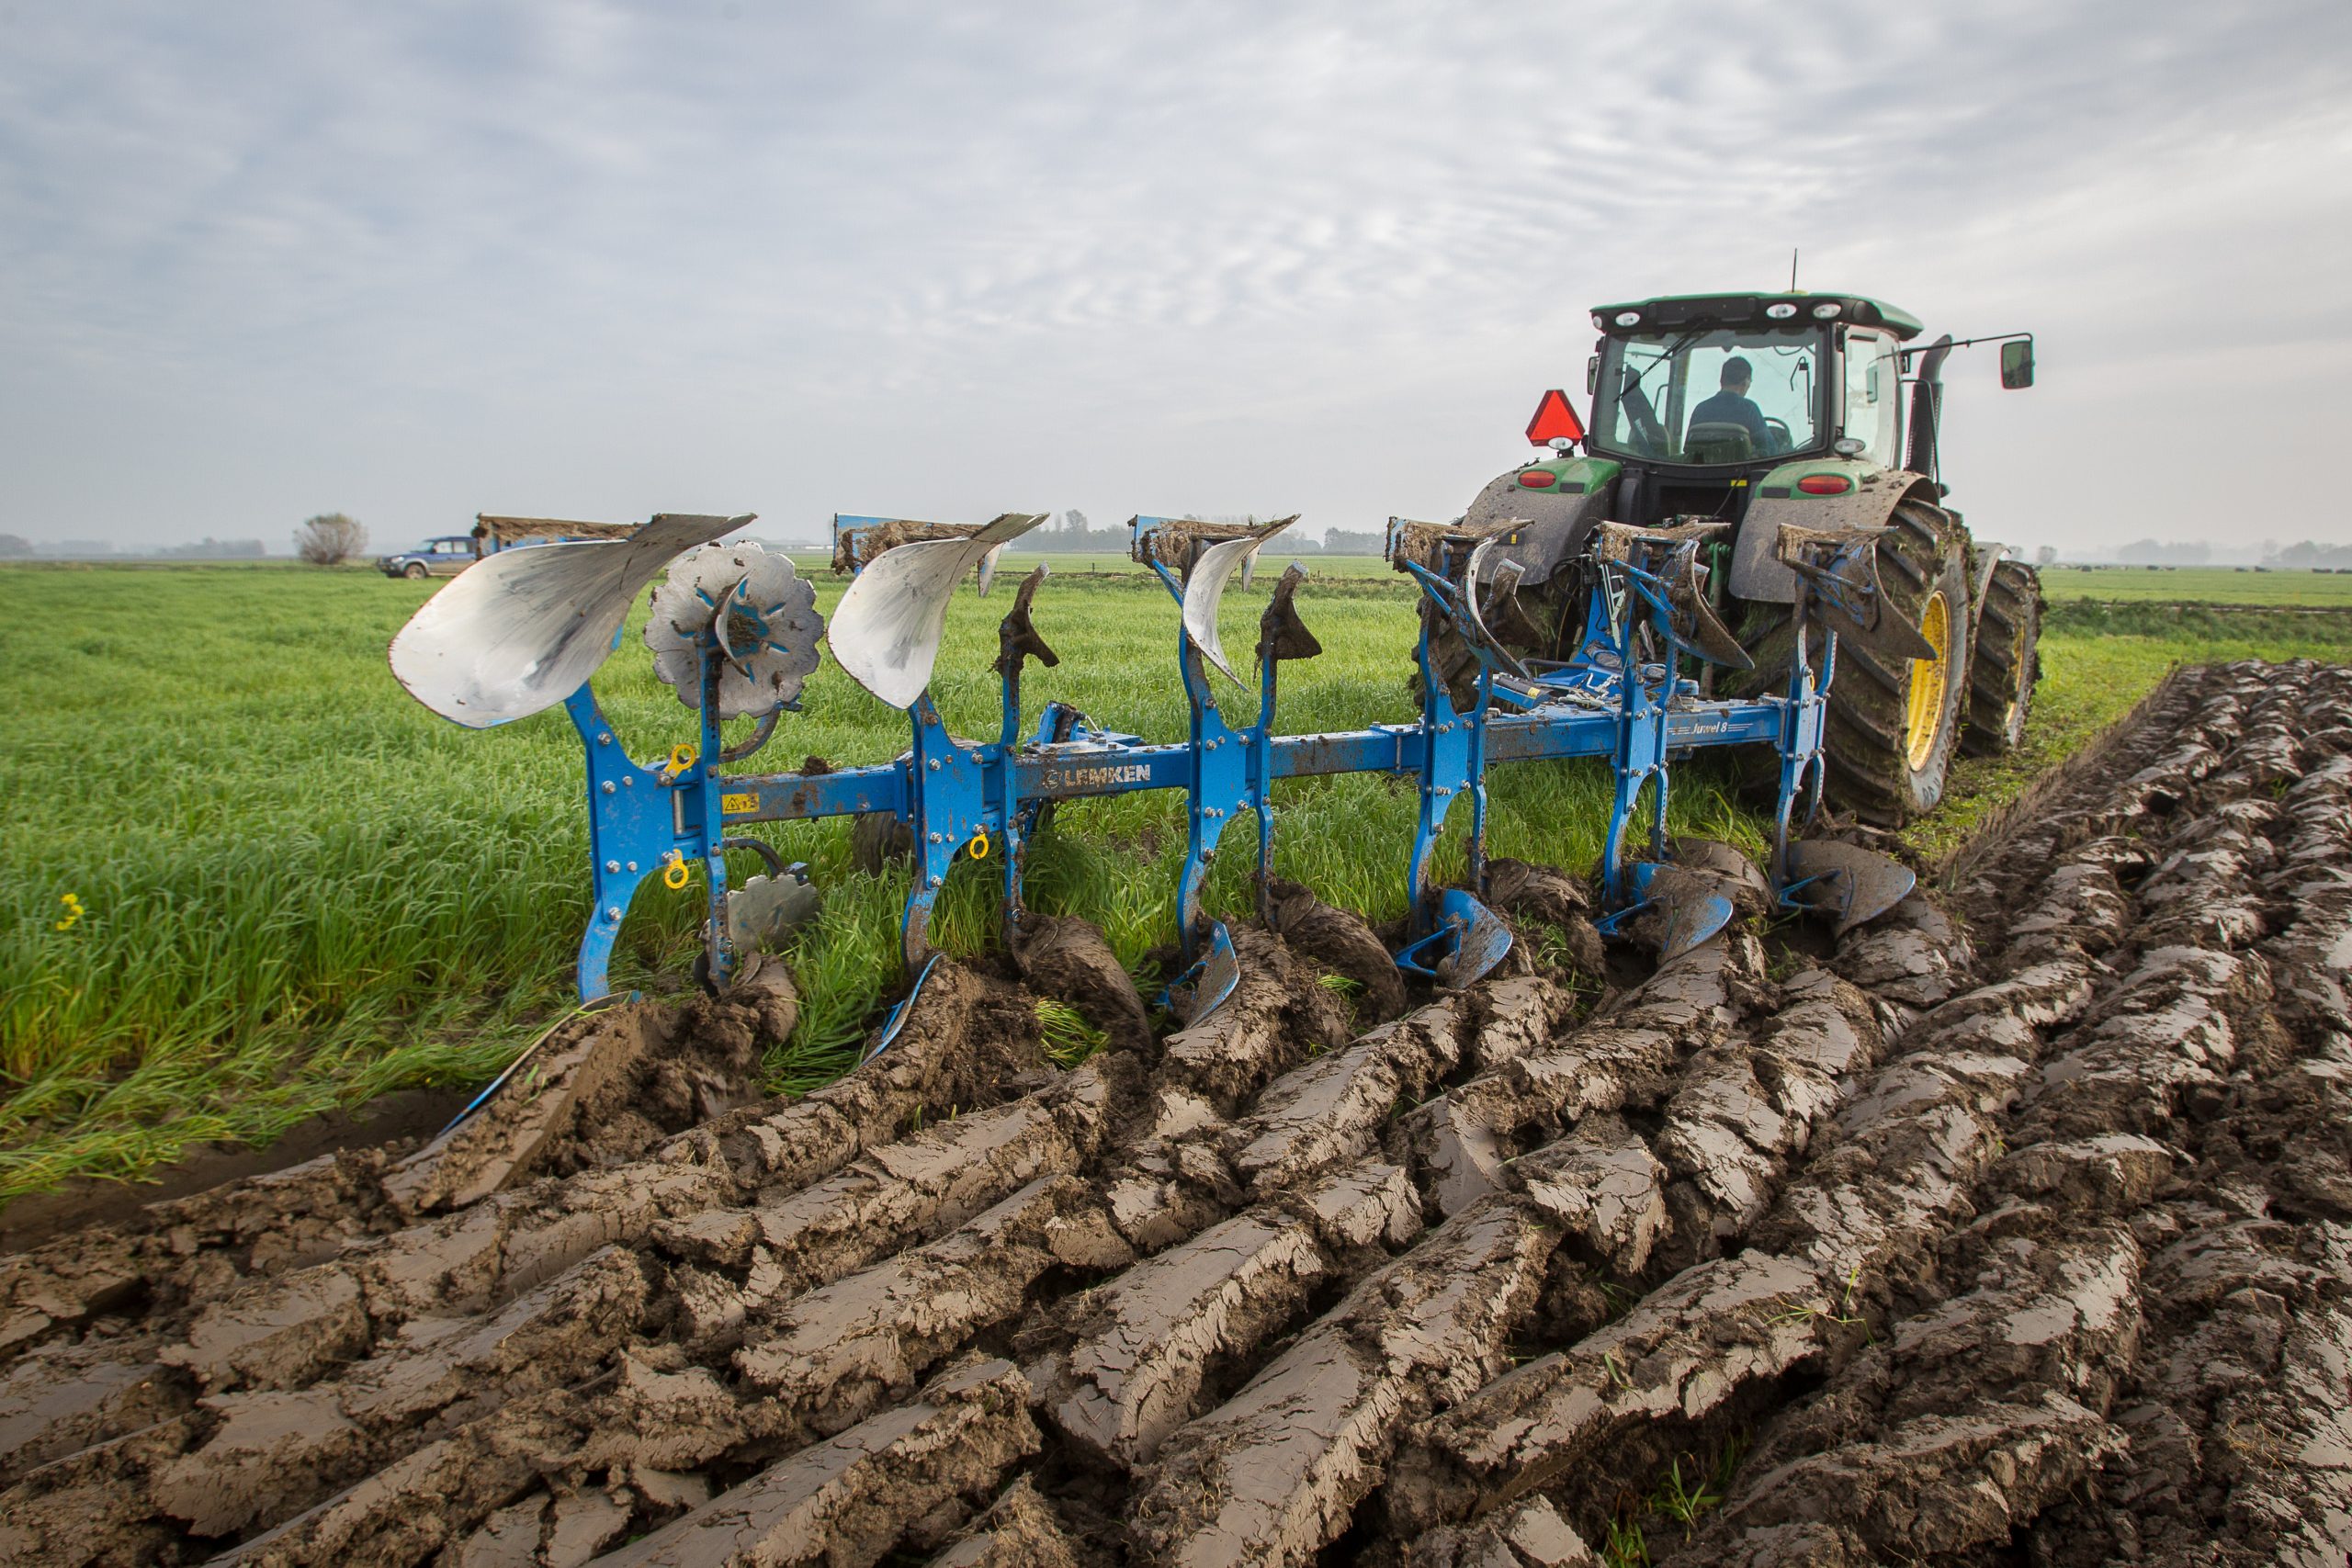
735	633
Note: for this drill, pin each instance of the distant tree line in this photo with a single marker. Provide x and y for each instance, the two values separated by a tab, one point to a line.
16	547
2307	556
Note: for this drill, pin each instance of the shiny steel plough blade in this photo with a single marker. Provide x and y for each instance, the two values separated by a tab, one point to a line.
1840	568
1674	584
1845	880
1205	586
758	610
1215	977
1688	906
896	1020
1499	610
887	628
1504	598
1695	624
1469	940
521	630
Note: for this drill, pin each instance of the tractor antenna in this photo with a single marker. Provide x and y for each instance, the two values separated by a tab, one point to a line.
1793	269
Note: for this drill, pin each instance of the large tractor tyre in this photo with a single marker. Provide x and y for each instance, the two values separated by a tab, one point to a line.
1893	724
2008	663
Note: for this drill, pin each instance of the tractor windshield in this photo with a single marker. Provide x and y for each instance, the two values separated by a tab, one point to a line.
1710	396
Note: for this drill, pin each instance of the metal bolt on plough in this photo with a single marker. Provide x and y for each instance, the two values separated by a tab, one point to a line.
734	631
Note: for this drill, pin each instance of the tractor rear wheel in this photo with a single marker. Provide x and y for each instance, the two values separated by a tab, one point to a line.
2008	663
1893	724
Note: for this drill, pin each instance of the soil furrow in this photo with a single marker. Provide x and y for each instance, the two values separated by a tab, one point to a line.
2026	1232
2125	1372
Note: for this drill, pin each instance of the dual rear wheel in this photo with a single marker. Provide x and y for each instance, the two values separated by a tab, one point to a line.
2007	662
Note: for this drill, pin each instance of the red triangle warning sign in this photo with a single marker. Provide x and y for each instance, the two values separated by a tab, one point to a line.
1554	417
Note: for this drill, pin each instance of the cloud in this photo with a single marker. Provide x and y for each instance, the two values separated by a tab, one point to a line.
600	259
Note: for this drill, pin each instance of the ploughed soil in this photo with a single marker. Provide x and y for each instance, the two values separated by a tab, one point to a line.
2013	1227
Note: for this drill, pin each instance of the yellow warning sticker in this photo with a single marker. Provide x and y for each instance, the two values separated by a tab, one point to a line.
748	800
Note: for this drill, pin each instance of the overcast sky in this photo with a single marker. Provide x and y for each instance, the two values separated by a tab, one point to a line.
416	261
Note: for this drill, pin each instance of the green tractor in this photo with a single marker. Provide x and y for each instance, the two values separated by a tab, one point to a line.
1758	410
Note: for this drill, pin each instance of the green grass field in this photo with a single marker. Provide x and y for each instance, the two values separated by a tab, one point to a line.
296	890
2197	585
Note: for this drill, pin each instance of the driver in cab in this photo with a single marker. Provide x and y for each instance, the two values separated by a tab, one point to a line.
1731	406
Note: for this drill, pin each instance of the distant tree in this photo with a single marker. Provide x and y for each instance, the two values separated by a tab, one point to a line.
1073	521
15	546
2046	556
329	539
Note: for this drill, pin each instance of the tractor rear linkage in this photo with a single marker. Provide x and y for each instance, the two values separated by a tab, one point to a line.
735	631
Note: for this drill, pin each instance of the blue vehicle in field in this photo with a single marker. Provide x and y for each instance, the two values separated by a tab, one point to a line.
452	553
444	556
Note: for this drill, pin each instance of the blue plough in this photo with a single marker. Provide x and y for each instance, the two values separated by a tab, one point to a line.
735	633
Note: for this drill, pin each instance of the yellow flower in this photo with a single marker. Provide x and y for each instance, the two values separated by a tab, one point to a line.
73	913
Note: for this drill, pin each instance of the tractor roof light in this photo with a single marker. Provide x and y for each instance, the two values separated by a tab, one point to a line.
1629	318
1825	484
1848	446
1781	312
1598	323
1539	478
1826	310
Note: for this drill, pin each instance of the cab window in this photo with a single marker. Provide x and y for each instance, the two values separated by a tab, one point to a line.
1725	395
1873	404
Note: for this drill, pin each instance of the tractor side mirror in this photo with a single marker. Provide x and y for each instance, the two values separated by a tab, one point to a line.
1592	376
2016	364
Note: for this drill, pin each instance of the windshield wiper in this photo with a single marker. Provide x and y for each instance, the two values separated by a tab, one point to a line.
1674	350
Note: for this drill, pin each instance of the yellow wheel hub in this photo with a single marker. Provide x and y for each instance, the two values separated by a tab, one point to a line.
1927	677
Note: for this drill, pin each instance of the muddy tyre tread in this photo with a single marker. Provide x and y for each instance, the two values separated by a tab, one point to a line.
1869	767
2005	664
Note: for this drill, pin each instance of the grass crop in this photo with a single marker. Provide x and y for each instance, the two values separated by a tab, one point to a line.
247	879
1069	1038
2097	661
2197	585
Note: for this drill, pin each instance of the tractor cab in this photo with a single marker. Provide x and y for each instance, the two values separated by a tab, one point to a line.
1704	394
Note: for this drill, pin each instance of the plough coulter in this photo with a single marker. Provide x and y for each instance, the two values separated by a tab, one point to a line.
735	632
